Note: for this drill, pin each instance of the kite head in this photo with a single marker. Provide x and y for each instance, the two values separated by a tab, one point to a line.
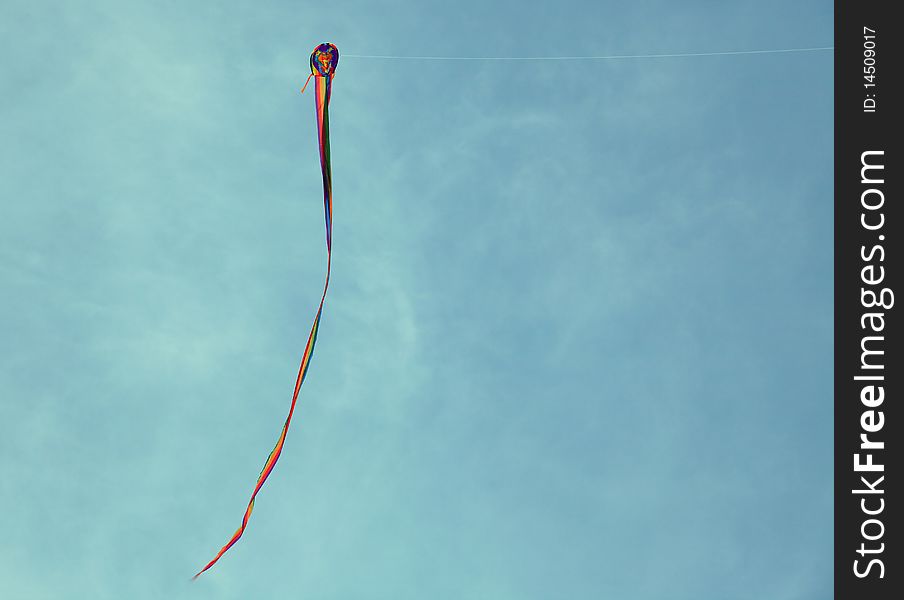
324	60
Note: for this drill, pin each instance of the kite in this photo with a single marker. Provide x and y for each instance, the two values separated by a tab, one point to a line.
324	60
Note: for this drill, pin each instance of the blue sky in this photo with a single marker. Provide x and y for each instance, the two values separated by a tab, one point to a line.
578	337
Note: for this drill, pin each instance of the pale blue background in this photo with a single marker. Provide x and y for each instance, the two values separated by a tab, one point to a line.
577	343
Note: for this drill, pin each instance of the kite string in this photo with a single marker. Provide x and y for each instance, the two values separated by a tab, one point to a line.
603	57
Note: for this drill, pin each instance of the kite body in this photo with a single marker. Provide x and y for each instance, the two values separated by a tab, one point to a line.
324	60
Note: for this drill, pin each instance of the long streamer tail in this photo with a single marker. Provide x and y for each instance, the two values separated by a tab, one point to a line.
323	88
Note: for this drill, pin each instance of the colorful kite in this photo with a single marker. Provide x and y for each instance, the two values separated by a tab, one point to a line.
324	60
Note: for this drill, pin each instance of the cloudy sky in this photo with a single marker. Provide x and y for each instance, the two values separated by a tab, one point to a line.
578	337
